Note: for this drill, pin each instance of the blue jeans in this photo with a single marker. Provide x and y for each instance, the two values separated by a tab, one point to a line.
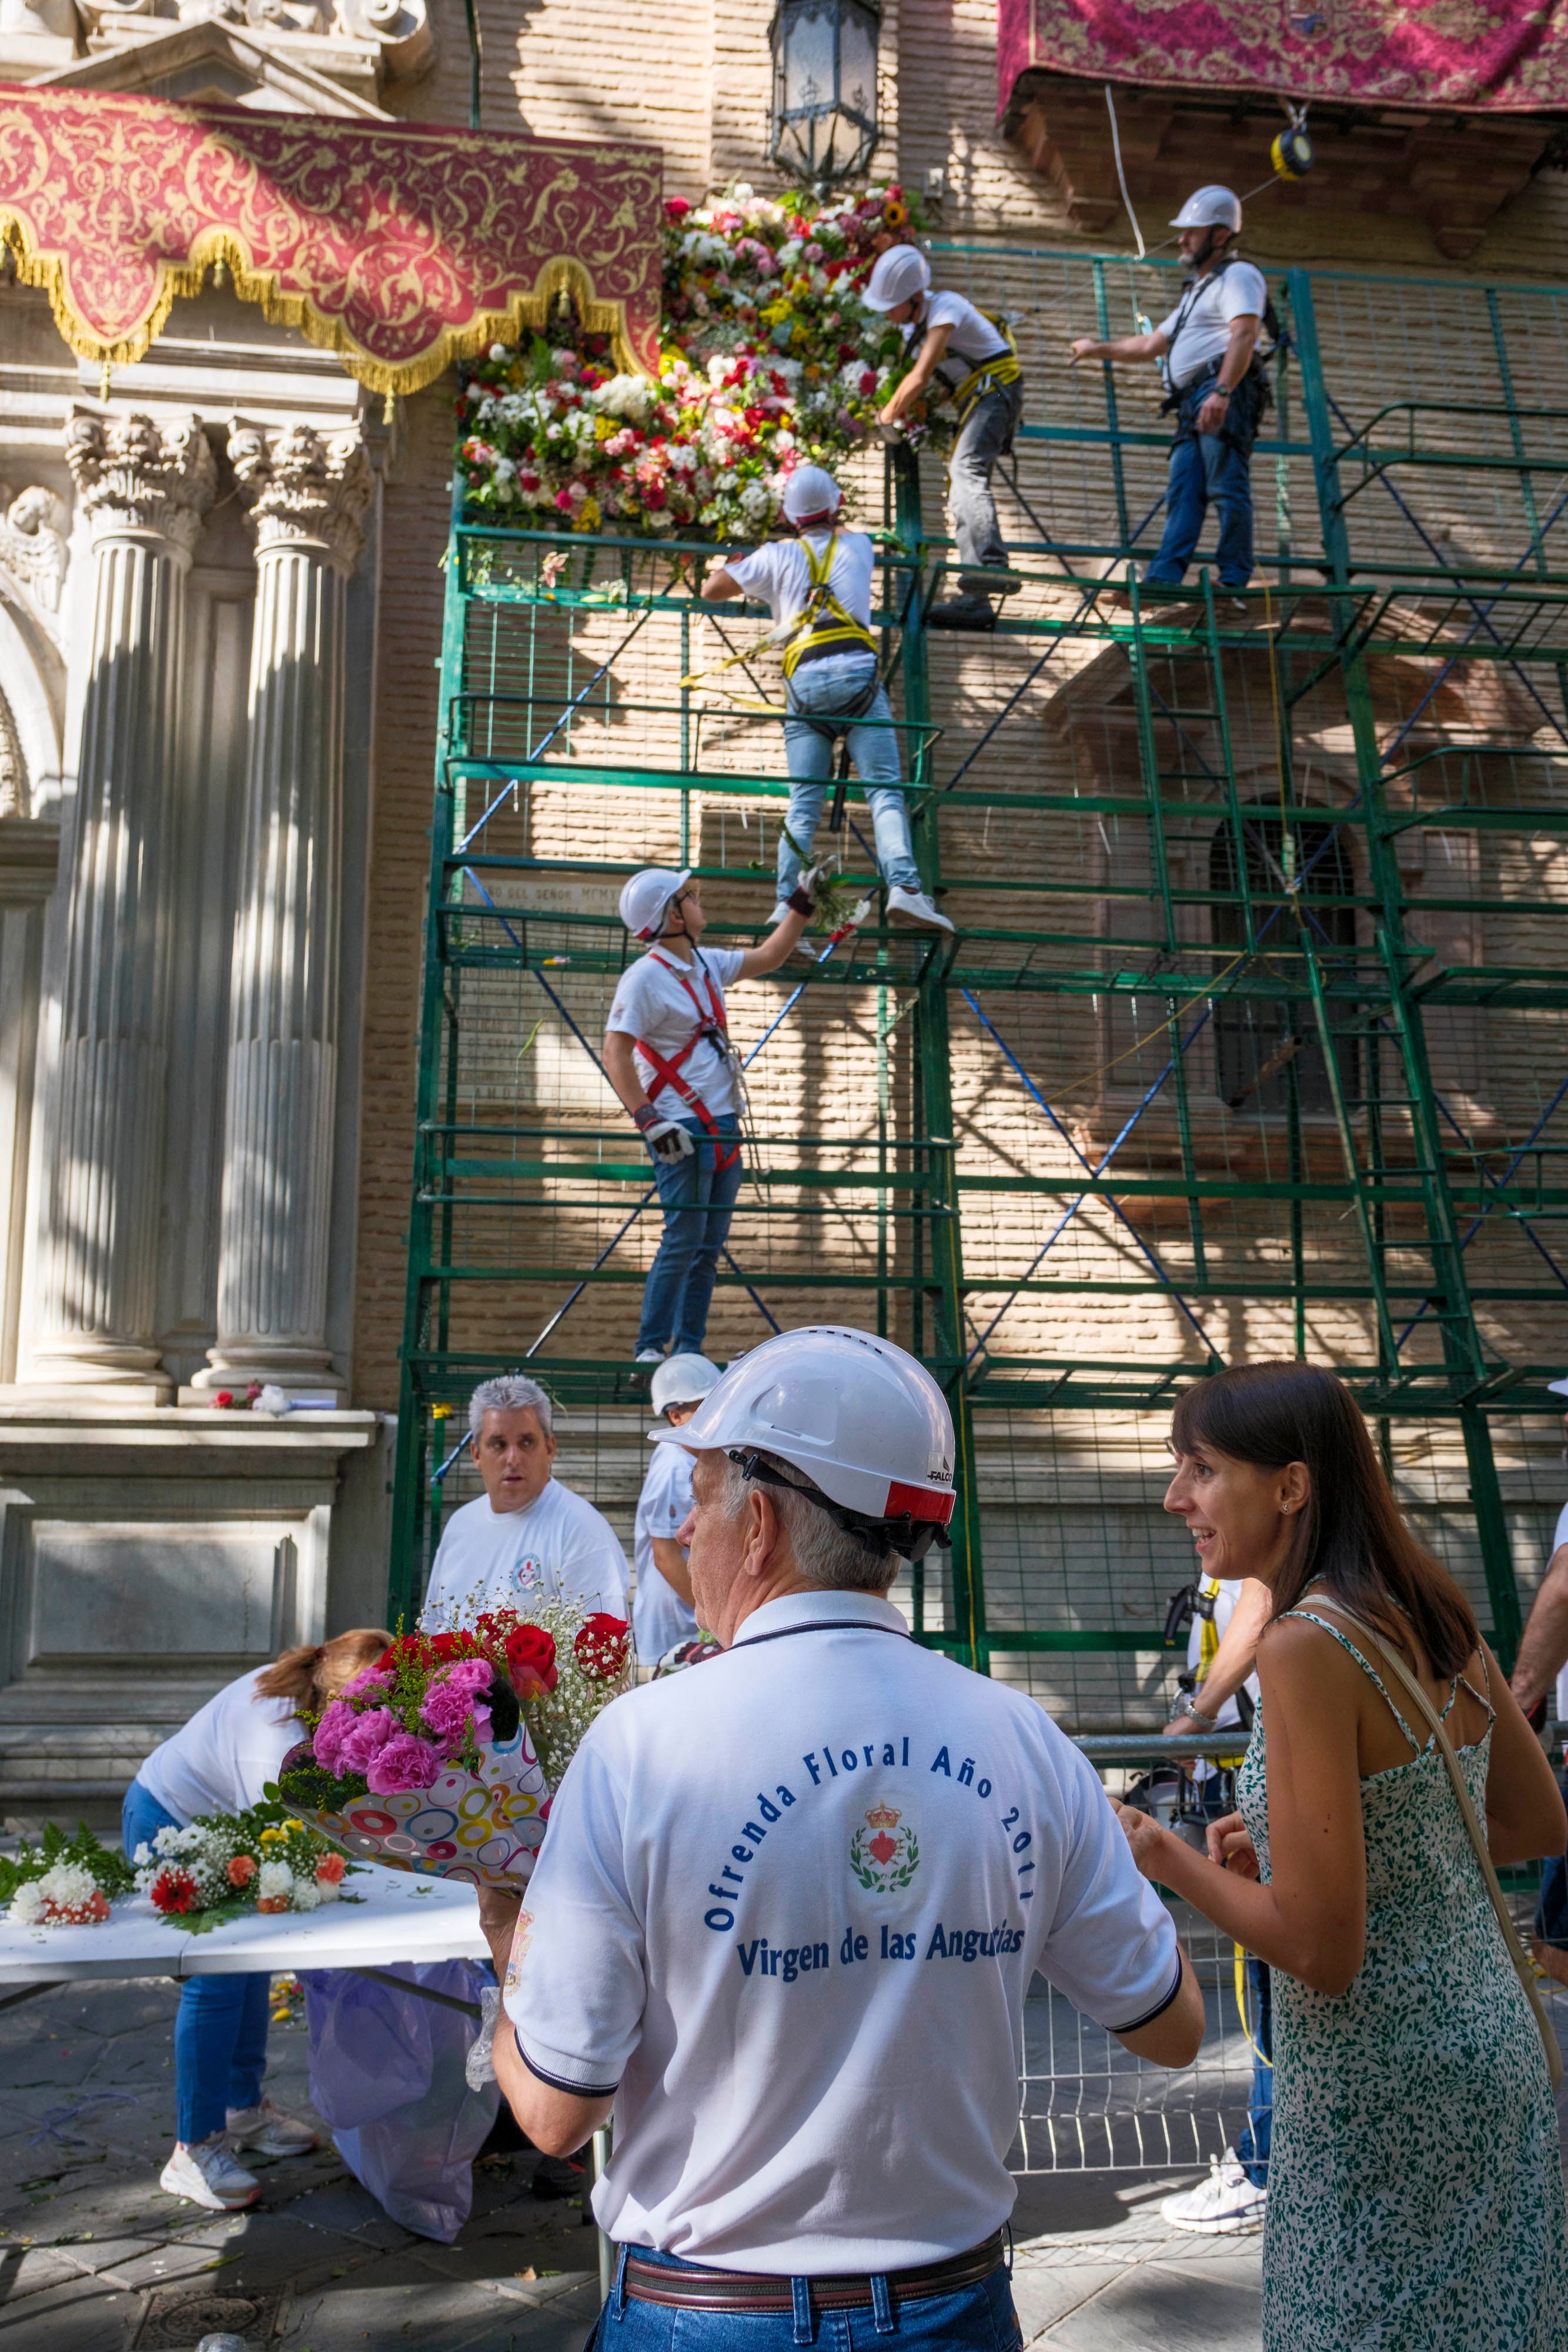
829	686
976	2319
697	1205
1205	468
220	2032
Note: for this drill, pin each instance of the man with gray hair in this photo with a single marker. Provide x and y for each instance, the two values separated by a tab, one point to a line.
790	1905
527	1535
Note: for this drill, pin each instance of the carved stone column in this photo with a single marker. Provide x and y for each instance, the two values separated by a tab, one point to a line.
143	486
307	495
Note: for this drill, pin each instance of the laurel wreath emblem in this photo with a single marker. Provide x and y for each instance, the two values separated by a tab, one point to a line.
877	1882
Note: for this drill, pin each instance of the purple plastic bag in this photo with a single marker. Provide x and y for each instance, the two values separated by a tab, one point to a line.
387	2075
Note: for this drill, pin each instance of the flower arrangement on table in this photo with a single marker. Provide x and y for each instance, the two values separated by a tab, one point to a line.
227	1865
62	1882
769	359
442	1756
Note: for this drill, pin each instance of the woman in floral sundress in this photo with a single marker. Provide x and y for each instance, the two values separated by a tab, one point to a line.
1416	2199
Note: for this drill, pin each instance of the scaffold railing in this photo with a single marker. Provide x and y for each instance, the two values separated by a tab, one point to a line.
1248	1039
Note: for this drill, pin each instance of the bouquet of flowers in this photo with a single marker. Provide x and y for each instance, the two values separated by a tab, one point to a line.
62	1882
224	1866
442	1756
770	360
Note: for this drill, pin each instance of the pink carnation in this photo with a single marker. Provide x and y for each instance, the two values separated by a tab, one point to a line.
448	1706
370	1735
374	1678
329	1734
404	1762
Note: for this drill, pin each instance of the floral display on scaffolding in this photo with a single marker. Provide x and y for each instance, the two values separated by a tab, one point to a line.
769	360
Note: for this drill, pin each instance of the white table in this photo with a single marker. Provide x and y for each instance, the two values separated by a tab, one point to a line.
402	1917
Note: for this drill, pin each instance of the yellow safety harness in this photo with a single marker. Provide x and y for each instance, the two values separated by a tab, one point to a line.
822	621
1003	367
1208	1650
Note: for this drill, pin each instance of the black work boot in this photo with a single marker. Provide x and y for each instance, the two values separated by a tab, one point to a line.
962	612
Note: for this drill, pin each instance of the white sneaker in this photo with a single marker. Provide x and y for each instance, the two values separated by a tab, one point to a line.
649	1356
207	2175
917	909
1226	2205
267	2131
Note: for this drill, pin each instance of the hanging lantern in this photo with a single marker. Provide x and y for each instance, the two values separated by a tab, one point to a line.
824	127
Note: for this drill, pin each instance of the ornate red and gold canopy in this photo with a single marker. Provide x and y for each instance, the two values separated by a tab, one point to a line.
398	246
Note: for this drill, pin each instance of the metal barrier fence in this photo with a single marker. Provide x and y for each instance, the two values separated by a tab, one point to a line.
1088	2105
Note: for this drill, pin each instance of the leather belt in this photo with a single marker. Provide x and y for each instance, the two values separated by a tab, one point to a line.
700	2290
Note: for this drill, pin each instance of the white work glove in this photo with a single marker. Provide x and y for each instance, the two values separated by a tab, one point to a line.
666	1139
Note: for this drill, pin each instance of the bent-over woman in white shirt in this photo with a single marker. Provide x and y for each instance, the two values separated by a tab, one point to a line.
220	1762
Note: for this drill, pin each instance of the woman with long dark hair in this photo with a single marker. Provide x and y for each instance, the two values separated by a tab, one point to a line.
1415	2198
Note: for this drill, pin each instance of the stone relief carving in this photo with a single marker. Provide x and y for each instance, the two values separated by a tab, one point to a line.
302	486
32	546
396	31
14	796
134	474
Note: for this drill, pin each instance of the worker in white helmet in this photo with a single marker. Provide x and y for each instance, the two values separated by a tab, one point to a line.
965	356
668	1056
790	1906
662	1612
1216	386
818	585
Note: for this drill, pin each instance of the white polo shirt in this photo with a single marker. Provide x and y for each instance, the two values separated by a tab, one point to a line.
660	1618
650	1003
1204	314
789	1907
781	576
494	1559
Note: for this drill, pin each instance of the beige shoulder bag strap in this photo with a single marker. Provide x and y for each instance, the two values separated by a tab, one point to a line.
1401	1673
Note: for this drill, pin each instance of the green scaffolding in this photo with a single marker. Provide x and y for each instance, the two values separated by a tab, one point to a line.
1250	1032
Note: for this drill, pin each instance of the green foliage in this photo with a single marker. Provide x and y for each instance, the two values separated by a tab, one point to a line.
111	1873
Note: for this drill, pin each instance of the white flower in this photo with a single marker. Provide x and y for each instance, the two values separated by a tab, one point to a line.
627	396
326	1891
498	351
304	1895
791	249
274	1878
26	1906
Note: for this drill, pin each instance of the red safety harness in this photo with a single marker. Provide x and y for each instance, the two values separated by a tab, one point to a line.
710	1023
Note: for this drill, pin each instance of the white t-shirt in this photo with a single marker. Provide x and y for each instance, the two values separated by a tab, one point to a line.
1225	1601
1209	305
973	337
223	1758
781	576
650	1002
494	1559
789	1909
660	1618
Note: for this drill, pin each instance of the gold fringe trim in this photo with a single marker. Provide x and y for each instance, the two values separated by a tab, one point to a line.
283	309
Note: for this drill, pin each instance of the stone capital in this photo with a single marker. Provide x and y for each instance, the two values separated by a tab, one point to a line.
304	490
138	475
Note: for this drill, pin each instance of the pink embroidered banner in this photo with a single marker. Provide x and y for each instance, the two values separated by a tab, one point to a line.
1474	55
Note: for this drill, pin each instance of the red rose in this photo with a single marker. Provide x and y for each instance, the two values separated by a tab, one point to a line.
675	208
600	1647
530	1660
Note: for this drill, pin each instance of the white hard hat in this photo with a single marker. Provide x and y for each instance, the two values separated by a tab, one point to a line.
900	272
865	1422
1213	207
682	1380
644	899
811	492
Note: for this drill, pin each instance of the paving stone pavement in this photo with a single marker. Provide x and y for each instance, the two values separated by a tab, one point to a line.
94	2257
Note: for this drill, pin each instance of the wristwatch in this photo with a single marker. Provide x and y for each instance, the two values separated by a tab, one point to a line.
1221	392
1183	1707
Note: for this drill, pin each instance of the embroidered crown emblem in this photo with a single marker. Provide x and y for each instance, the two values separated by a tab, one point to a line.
884	1852
883	1817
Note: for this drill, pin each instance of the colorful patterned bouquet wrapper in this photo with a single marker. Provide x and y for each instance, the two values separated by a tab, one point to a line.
484	1825
441	1758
